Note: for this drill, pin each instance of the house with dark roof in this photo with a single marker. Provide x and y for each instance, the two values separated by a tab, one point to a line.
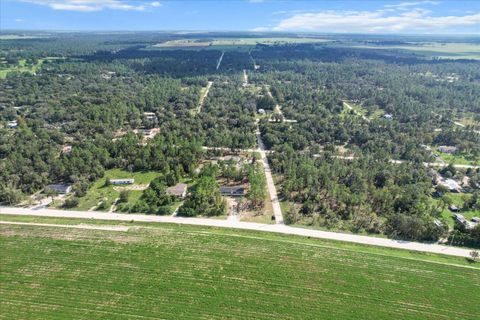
179	190
233	191
448	149
59	188
453	208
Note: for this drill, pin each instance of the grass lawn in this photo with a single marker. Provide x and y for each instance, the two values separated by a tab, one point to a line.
358	108
457	158
457	200
263	215
21	67
190	272
99	192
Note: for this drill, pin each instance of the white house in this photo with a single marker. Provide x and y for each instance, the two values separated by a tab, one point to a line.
12	124
122	181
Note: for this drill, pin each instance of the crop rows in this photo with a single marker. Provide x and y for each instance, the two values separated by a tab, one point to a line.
167	273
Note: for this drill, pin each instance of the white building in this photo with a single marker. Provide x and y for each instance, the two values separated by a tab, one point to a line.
122	181
450	184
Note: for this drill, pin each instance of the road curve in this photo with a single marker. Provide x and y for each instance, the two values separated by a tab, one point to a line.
278	228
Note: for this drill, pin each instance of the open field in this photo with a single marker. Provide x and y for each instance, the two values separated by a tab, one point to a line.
263	215
21	37
22	67
438	50
187	272
99	192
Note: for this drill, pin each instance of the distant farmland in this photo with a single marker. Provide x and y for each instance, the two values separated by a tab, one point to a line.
221	42
437	50
182	272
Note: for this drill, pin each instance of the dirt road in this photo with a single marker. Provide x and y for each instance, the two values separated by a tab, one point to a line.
277	210
202	98
358	114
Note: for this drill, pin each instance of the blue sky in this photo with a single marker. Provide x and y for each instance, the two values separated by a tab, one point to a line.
430	17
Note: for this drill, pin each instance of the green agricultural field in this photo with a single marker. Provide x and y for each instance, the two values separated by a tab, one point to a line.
99	192
268	41
437	50
186	272
226	43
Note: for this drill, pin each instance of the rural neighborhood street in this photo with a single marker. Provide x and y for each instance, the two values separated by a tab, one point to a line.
278	228
456	122
277	211
245	78
220	60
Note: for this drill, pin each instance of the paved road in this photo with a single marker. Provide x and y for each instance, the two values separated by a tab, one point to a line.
426	164
277	210
278	228
440	164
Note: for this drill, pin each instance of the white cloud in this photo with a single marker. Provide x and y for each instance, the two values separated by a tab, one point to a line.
381	21
19	20
256	1
95	5
410	4
260	29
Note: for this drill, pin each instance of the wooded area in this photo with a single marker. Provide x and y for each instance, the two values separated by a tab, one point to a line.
100	102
